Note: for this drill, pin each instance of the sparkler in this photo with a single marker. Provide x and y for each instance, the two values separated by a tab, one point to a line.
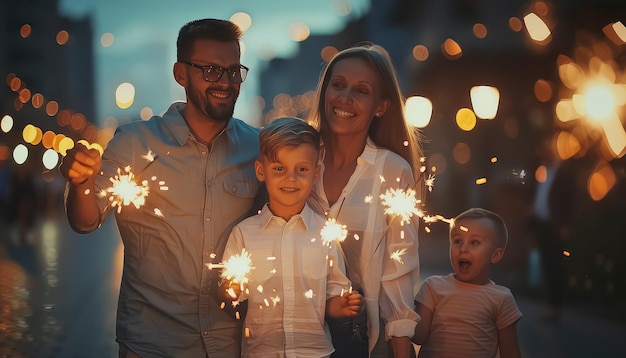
401	203
397	255
125	191
126	188
236	268
332	231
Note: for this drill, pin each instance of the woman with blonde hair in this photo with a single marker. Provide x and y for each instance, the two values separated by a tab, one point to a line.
369	148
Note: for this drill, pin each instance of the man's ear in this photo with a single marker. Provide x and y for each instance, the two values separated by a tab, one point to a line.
258	169
497	255
180	75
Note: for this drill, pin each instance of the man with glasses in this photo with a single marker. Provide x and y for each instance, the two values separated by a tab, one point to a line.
168	305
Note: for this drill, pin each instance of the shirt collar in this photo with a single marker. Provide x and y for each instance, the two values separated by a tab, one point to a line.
304	218
176	123
367	157
369	152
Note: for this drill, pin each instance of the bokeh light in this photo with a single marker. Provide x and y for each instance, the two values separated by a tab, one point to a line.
125	95
485	100
536	27
62	37
451	49
50	159
298	31
342	7
20	154
107	39
146	113
418	111
420	53
243	20
479	30
25	30
465	119
6	124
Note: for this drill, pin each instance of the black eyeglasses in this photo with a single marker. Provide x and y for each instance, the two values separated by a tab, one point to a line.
213	73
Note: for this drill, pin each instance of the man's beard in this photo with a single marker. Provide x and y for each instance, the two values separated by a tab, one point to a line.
221	112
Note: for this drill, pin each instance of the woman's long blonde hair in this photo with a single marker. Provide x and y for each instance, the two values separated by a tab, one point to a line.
391	130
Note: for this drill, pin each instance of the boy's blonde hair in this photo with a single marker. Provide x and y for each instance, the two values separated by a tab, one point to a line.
287	131
498	223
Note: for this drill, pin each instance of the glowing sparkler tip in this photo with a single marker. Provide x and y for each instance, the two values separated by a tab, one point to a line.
401	203
333	231
237	267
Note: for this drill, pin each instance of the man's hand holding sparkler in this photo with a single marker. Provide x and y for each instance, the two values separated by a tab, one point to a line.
80	167
80	164
349	304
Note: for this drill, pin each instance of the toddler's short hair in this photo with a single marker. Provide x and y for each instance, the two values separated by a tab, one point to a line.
498	223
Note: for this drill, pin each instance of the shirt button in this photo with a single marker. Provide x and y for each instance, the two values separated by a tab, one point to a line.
205	333
204	152
207	219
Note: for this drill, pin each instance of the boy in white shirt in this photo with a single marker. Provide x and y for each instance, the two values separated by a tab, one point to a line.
296	277
465	314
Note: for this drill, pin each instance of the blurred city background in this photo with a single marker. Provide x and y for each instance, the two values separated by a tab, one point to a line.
549	71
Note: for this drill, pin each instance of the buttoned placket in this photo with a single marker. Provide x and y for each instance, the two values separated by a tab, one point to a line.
208	245
288	256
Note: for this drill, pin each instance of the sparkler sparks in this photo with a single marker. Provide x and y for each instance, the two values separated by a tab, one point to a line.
332	231
397	255
430	182
401	203
125	191
126	188
237	267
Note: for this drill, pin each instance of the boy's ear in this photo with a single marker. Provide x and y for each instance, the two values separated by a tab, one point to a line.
258	169
497	255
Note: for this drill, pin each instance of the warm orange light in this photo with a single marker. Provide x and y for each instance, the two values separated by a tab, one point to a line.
543	90
328	53
25	30
37	100
479	30
452	49
541	174
62	37
420	53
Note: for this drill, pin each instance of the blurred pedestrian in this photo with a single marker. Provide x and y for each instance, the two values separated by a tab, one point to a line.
551	220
